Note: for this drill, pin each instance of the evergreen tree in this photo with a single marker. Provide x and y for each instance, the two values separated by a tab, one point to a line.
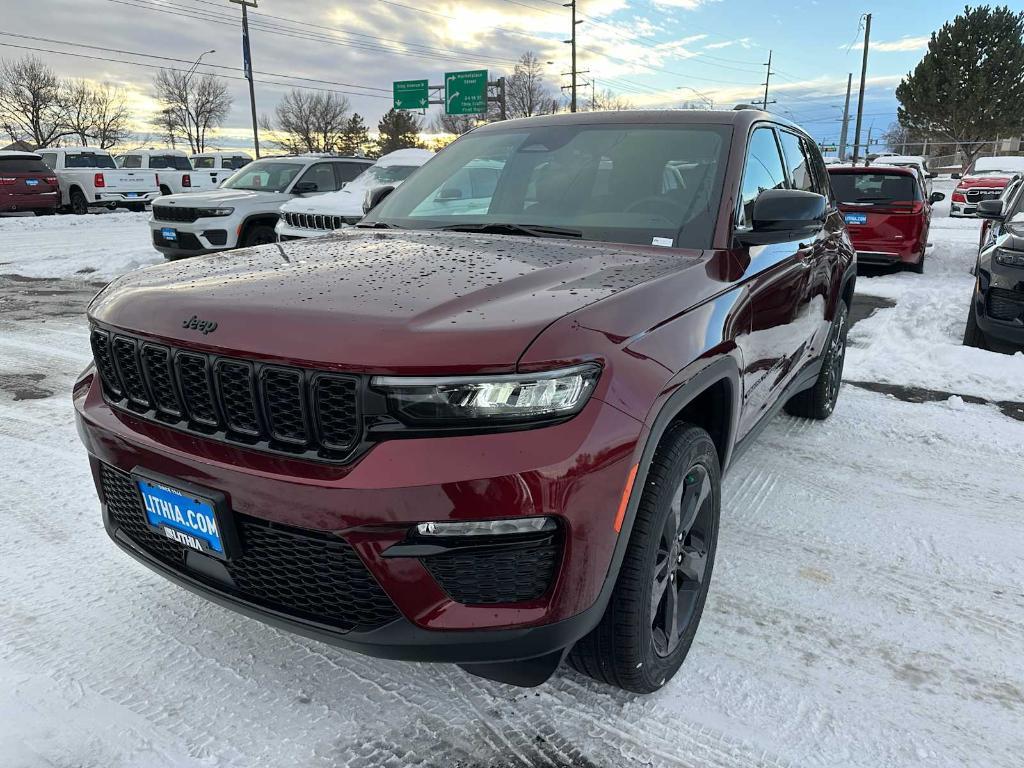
969	87
355	136
398	130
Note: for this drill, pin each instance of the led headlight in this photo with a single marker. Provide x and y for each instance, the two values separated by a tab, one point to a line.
1009	258
453	401
210	212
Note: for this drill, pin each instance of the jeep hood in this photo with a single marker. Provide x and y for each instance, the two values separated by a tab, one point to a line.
380	301
223	197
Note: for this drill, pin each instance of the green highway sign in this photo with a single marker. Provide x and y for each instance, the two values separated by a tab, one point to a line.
411	94
465	93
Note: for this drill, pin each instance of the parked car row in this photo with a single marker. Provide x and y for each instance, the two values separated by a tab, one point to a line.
986	179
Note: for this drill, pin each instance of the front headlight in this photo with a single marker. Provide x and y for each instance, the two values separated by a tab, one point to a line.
1009	258
210	212
479	401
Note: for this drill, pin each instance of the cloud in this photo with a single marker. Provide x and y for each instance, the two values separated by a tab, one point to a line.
905	43
743	42
686	5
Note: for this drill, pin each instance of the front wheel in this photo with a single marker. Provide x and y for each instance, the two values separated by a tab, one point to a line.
819	401
973	335
658	599
261	234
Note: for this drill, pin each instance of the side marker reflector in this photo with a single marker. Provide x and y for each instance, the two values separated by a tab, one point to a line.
621	514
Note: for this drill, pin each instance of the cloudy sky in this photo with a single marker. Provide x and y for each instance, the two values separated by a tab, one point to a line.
657	53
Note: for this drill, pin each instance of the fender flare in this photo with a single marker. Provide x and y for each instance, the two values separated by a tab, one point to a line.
255	219
693	384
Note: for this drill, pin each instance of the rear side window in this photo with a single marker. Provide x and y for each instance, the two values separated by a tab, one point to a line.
202	163
235	162
172	162
875	188
763	170
797	162
49	160
88	160
132	161
22	165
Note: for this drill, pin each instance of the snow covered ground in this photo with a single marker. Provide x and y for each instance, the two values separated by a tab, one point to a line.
867	607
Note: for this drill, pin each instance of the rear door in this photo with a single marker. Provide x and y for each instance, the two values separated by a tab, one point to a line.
777	280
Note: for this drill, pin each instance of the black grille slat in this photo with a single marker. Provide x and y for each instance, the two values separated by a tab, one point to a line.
272	408
194	378
126	359
487	577
101	353
238	397
283	401
1005	305
307	575
175	213
336	406
156	366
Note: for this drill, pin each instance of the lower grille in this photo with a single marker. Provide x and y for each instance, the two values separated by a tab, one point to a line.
508	575
1005	305
310	576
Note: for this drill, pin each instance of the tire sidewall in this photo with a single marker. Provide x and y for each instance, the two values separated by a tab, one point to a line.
250	235
694	447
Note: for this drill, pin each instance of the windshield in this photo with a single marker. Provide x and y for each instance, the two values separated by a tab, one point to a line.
265	176
643	184
382	175
997	164
874	188
88	160
173	162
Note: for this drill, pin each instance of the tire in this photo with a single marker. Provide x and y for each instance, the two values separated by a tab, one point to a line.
44	211
973	335
79	205
136	207
819	401
258	234
165	190
630	648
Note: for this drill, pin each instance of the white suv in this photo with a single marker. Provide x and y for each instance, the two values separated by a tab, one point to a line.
244	209
311	218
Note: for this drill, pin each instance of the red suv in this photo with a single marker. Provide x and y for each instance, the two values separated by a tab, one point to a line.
26	184
486	430
887	212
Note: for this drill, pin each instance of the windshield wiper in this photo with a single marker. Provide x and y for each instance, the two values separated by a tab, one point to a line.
376	225
498	228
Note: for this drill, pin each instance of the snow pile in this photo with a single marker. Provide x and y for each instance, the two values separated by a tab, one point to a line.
100	245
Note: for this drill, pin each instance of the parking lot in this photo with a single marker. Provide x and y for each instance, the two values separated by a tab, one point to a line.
868	612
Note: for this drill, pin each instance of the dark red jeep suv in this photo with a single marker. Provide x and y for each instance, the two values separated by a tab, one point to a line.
487	430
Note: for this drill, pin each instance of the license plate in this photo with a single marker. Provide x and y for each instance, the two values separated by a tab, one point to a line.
169	234
187	518
856	218
131	194
32	182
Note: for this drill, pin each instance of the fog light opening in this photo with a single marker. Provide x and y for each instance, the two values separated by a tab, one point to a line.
509	527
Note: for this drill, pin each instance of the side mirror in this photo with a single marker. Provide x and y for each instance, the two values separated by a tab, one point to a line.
936	197
784	214
954	175
450	193
931	175
305	187
990	209
374	197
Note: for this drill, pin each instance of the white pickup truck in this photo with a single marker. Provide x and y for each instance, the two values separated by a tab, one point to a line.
88	176
174	170
224	163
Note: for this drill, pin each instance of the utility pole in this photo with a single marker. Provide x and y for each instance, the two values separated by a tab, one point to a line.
767	79
247	64
860	97
572	41
846	119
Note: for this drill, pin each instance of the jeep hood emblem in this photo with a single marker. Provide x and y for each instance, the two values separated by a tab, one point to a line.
203	326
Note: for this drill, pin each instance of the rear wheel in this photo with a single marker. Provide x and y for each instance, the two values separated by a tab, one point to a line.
165	190
259	234
663	583
819	401
973	335
79	205
137	207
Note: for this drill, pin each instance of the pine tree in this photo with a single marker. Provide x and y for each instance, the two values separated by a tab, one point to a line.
969	87
398	130
355	136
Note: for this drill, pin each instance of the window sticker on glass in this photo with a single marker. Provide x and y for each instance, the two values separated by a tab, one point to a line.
664	242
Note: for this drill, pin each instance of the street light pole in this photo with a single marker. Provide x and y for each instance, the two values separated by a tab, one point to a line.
572	41
247	64
860	98
195	65
846	119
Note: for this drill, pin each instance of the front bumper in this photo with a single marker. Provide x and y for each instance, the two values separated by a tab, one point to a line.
574	471
999	307
194	238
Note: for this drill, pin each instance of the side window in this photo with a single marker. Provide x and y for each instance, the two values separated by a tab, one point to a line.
762	170
348	171
132	161
50	160
321	174
797	162
821	181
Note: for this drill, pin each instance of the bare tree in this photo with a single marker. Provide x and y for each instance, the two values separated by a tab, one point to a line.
168	126
31	107
193	105
309	121
454	124
610	101
95	113
527	93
